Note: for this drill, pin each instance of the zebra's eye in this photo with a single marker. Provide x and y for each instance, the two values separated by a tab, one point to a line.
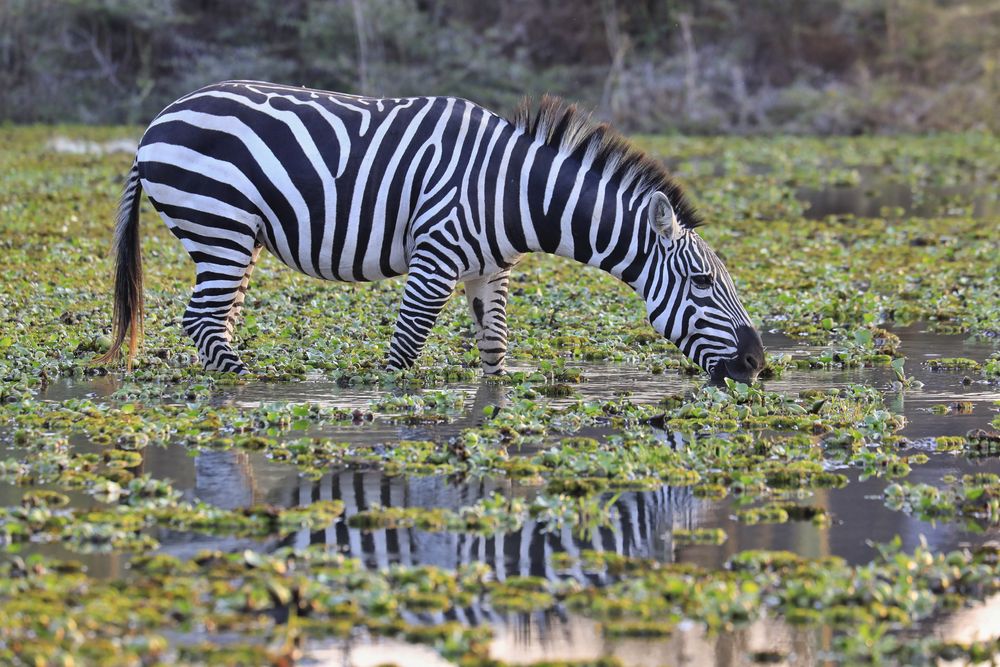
702	280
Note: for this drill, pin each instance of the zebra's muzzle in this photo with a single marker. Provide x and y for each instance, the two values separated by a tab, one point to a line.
748	362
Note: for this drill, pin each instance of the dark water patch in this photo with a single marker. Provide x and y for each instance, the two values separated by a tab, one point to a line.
876	198
187	545
79	388
858	190
111	565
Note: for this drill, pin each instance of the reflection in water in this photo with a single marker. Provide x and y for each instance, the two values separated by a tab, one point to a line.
374	652
875	194
641	526
979	622
577	638
224	479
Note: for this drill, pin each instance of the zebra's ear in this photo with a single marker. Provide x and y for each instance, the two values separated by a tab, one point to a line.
662	217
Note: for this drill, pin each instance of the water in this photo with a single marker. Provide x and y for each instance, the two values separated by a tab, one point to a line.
877	195
646	520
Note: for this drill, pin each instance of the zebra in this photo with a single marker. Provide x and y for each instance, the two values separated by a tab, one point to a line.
440	189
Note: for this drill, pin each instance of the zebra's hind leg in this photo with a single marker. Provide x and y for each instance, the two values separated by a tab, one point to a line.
487	297
424	296
241	294
211	314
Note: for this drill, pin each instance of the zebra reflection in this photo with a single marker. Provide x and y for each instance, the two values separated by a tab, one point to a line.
641	525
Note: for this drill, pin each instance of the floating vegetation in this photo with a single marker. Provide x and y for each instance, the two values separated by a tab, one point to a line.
551	453
699	536
812	277
975	497
954	363
981	442
147	504
326	591
428	407
782	512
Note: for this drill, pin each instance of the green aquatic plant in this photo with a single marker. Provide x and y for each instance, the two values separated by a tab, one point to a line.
808	275
953	363
903	381
982	443
699	536
973	497
76	442
782	512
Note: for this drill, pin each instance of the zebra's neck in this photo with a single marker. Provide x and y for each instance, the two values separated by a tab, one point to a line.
575	208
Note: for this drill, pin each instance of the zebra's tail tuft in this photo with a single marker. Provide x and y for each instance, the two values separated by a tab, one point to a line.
128	308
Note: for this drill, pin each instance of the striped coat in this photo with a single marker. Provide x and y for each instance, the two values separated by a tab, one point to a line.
437	188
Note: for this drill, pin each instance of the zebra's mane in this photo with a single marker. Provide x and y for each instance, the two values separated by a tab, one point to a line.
562	126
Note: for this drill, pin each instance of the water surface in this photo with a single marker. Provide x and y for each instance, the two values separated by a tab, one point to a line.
643	522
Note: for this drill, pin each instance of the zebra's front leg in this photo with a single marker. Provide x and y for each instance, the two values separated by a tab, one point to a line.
211	313
424	296
487	297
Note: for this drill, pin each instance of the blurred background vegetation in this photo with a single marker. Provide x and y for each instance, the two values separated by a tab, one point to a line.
693	66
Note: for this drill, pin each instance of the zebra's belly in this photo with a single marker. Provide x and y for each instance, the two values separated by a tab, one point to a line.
224	223
338	228
227	223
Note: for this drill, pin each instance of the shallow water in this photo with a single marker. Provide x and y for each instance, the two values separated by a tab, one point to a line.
643	521
870	193
876	197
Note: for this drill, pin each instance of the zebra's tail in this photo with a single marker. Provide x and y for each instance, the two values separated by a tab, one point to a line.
128	309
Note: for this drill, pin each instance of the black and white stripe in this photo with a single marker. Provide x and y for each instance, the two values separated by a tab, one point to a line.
437	188
641	526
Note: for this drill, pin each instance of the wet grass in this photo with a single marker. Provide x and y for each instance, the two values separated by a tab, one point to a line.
77	465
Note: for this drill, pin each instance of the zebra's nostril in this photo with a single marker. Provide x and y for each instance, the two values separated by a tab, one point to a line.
751	361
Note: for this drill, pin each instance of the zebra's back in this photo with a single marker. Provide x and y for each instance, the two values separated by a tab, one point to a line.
332	184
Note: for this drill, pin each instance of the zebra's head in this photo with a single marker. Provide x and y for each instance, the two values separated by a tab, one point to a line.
692	301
